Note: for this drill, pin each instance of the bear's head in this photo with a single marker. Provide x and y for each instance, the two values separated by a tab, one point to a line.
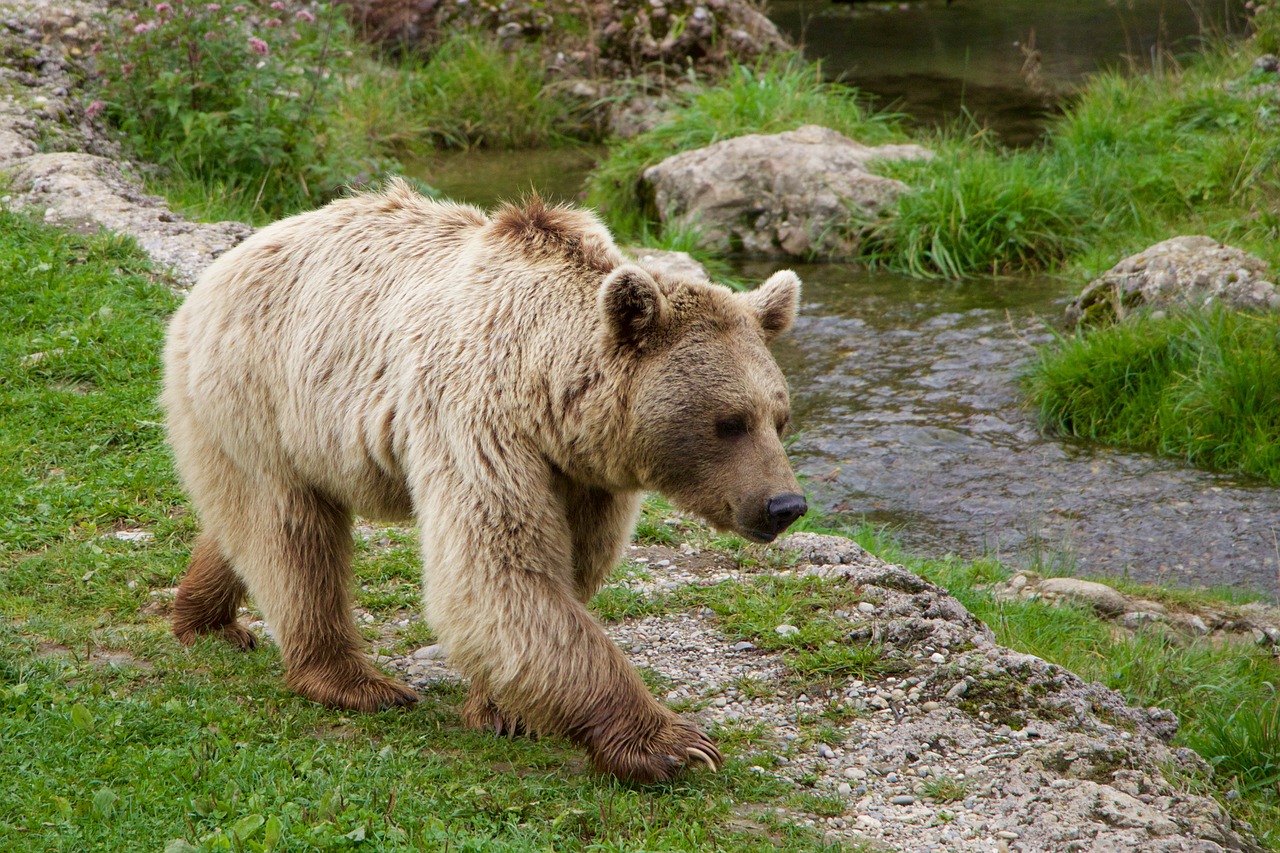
708	406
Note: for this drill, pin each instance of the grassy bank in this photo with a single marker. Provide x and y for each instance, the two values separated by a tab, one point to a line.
1201	386
117	734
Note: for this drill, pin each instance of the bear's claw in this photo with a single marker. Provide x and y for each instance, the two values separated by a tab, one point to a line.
679	746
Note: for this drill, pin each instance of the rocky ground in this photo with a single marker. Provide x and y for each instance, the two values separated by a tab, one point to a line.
968	747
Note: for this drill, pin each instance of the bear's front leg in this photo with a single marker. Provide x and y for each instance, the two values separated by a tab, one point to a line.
539	657
548	665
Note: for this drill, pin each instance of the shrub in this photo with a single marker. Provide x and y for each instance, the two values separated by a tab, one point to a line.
229	96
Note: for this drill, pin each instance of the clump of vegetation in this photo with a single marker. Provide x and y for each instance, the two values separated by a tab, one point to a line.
233	97
469	92
977	208
771	96
1200	386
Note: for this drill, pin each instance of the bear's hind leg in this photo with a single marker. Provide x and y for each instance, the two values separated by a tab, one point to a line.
305	593
209	597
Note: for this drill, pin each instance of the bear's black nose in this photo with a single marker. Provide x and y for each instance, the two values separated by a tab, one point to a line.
784	509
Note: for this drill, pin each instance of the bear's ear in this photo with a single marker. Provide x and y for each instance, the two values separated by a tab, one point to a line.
775	303
631	304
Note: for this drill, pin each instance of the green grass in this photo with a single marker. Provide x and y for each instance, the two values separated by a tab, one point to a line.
1134	160
118	738
771	97
1204	387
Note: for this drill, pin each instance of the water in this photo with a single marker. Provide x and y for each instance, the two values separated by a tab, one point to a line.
931	60
906	397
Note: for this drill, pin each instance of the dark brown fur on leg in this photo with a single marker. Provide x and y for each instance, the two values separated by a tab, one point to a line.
323	653
209	597
481	713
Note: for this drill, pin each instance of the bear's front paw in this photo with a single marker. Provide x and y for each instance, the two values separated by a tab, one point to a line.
678	744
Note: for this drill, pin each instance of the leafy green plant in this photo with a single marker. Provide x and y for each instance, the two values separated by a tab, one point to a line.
231	94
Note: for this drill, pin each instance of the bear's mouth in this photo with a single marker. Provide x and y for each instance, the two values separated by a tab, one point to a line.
760	536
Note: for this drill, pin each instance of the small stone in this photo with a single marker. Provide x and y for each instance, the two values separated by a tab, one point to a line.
929	706
1006	835
844	789
825	751
787	630
744	646
432	652
855	773
902	800
866	607
938	657
959	689
719	702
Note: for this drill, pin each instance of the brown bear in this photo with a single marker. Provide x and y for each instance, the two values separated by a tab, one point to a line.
513	384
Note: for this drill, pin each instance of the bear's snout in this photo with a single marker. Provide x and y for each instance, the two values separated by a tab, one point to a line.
785	509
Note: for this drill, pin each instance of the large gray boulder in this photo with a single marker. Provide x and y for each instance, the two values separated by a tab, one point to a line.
797	194
1184	271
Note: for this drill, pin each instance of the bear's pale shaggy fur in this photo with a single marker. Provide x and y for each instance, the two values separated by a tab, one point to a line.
514	385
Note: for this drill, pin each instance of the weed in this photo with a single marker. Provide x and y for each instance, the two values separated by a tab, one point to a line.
945	789
232	96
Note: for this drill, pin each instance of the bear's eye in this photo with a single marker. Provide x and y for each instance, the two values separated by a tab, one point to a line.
733	427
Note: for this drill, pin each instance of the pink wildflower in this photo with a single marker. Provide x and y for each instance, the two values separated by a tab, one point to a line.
144	27
258	45
278	6
163	7
94	108
213	7
240	10
127	69
304	15
272	22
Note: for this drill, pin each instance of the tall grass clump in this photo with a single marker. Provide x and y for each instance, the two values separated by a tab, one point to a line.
471	92
232	98
1201	386
772	96
975	209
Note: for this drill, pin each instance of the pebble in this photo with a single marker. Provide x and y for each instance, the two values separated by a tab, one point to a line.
787	630
825	751
902	800
744	646
432	652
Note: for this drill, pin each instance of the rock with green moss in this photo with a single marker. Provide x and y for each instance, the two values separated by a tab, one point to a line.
1192	272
